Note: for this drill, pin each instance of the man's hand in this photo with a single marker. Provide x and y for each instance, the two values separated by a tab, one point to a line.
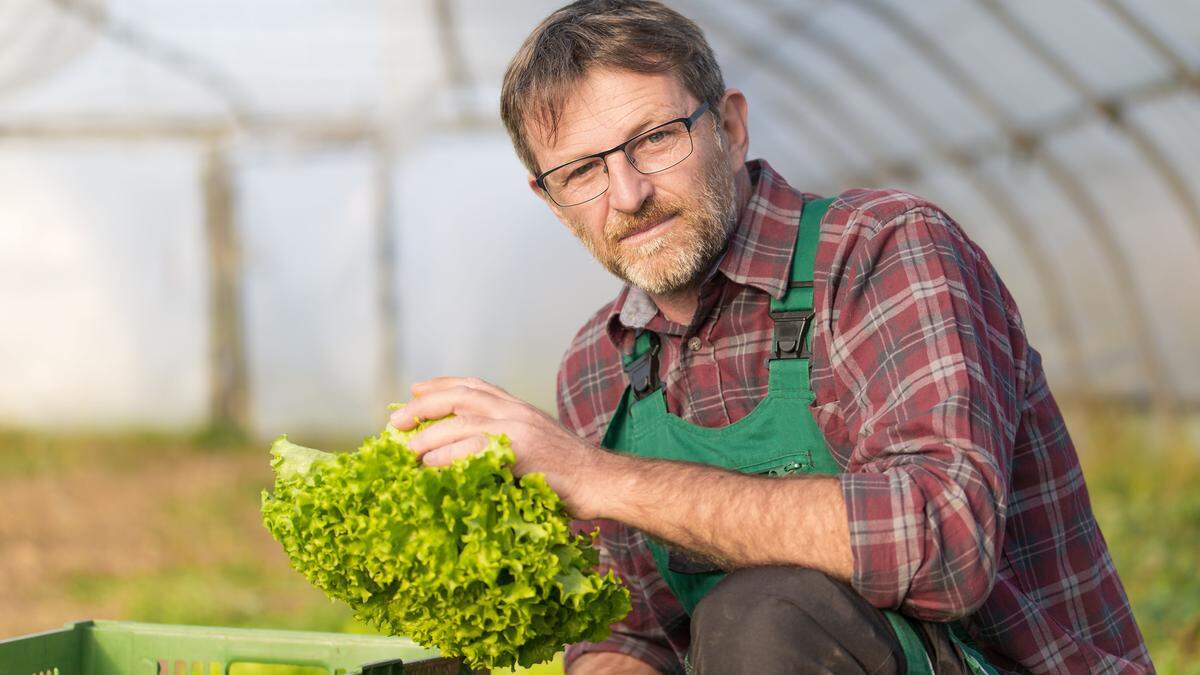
610	663
539	442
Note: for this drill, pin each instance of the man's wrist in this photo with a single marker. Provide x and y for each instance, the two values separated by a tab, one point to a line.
605	484
597	663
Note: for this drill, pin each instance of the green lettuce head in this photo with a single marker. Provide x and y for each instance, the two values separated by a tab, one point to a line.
464	558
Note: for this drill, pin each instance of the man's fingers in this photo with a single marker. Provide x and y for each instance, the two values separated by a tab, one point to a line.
437	436
447	454
460	400
443	383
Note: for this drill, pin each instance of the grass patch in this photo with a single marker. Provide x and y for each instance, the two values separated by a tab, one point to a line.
1143	477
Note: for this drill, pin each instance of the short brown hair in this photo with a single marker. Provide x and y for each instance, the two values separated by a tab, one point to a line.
636	35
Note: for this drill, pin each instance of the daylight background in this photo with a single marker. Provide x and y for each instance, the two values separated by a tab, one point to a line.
224	221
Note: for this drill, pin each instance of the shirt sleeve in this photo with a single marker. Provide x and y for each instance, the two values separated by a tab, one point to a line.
641	633
921	359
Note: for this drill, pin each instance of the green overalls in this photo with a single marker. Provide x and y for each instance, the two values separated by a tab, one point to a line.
779	437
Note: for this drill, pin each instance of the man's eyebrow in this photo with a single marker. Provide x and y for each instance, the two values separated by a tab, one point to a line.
648	121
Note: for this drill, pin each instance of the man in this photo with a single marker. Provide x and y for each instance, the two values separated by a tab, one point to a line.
902	498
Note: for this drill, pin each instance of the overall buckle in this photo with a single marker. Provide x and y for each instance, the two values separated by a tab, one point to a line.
643	371
790	330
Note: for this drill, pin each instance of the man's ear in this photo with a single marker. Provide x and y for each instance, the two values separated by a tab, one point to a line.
541	194
734	110
533	186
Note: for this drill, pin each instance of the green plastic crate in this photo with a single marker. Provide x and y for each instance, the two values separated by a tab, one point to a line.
127	648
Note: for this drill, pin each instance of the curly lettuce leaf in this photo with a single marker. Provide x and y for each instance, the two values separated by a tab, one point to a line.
465	557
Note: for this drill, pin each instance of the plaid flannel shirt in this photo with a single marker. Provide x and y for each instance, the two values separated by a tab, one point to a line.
963	489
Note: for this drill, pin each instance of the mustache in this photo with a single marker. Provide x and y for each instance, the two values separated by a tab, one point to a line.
652	212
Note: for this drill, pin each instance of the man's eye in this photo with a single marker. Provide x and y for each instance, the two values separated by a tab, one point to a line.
658	136
581	171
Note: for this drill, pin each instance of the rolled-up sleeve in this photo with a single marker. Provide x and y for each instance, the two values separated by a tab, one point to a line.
925	378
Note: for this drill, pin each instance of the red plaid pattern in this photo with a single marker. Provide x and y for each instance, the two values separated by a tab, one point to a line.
965	495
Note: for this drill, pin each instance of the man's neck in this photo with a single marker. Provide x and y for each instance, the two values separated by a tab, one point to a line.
680	306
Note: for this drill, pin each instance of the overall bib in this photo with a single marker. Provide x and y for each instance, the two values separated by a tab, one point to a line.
779	437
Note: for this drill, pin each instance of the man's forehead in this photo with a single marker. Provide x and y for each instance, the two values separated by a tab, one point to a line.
606	108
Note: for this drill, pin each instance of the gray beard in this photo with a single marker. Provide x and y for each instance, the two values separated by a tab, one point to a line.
677	261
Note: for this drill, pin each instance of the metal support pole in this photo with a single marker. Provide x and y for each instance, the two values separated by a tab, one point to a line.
386	278
991	191
229	401
1158	375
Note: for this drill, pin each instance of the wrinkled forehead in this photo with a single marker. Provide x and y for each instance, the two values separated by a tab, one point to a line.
604	109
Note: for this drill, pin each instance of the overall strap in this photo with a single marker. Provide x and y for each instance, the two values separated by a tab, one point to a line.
793	314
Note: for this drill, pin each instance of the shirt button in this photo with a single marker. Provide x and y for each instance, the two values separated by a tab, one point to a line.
695	344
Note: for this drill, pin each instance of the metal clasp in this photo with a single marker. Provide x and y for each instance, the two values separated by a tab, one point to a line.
790	331
643	371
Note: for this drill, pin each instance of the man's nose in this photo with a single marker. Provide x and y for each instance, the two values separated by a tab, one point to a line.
628	189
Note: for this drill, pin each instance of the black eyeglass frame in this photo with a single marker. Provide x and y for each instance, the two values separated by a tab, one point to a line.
688	123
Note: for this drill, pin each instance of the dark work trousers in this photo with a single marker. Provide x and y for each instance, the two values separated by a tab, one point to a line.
766	620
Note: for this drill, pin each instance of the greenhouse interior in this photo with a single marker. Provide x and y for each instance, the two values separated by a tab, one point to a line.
227	221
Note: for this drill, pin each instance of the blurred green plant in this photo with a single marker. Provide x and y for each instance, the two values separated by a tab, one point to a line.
1143	476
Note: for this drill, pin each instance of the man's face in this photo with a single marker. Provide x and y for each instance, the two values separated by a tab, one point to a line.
659	232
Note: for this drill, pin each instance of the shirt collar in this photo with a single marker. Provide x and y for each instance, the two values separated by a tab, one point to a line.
758	253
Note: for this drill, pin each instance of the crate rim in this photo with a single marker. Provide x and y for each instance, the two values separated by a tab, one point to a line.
167	629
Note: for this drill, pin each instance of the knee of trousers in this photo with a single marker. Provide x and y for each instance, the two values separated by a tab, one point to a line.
759	602
787	615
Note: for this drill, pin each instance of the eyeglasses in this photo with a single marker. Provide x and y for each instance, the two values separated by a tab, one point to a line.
658	149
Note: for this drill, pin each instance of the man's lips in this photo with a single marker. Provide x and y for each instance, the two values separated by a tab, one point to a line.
647	231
